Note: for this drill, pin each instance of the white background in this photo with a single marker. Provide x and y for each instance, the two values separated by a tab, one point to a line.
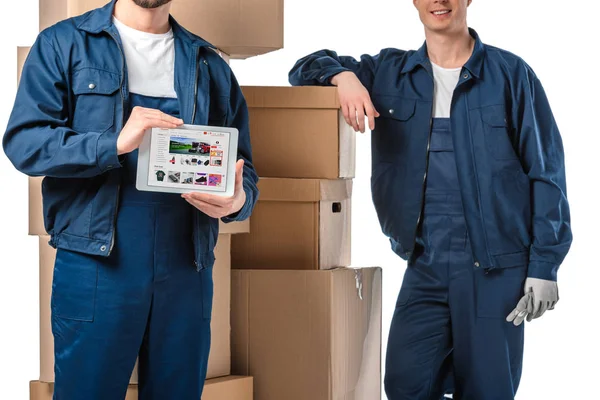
554	37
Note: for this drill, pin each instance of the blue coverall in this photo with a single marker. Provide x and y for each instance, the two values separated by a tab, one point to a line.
146	296
475	203
449	322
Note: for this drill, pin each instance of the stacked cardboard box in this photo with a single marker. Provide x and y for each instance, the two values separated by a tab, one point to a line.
229	387
303	325
238	29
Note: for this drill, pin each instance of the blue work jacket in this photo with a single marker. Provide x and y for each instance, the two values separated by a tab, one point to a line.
508	149
71	105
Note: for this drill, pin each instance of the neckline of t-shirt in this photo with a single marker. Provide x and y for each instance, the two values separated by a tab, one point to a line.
445	69
121	26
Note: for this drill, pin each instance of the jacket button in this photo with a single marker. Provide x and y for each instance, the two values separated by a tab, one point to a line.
103	248
391	110
466	76
205	62
92	86
476	264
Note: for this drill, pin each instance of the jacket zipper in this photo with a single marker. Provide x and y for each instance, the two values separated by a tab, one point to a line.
114	227
425	174
485	238
196	85
196	261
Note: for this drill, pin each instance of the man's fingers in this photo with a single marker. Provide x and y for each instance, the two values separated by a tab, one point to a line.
157	114
239	171
520	312
513	314
537	304
543	309
206	208
239	177
360	116
346	112
370	114
158	123
520	318
352	114
219	201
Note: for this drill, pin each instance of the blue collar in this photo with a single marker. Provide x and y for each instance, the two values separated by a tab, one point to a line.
473	65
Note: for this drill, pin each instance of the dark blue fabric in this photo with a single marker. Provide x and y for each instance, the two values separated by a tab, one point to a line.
72	104
509	152
449	330
146	297
129	192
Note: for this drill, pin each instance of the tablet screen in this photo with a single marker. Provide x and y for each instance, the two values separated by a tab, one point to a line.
185	158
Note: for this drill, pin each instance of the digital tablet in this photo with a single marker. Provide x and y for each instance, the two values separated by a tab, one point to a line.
189	158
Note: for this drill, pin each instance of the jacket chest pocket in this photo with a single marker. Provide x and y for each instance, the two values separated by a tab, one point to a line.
392	129
217	112
96	95
497	135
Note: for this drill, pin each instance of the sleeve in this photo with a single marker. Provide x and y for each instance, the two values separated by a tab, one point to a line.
542	156
38	140
318	68
238	118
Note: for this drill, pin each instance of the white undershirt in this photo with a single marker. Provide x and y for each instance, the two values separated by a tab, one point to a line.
150	61
445	81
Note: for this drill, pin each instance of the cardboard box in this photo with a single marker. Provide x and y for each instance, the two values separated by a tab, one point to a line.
308	334
297	224
229	388
36	218
226	388
44	391
300	132
219	361
241	28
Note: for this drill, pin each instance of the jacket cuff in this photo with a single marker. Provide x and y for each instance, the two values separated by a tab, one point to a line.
106	153
542	270
244	213
328	73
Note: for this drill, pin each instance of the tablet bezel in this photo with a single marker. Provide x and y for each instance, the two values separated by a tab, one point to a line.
143	165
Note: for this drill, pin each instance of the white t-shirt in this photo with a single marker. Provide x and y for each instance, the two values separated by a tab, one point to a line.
445	81
150	61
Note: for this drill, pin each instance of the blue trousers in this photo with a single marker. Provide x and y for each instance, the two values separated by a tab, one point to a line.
146	298
448	333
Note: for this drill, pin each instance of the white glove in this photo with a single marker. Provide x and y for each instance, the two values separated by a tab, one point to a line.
540	295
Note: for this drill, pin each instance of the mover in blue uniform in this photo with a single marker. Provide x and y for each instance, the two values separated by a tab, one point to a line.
468	181
133	270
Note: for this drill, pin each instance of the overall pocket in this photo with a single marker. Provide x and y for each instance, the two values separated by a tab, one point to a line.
74	286
499	290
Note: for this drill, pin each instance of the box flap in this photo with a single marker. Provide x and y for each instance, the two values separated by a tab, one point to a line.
304	190
291	97
234	227
228	387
